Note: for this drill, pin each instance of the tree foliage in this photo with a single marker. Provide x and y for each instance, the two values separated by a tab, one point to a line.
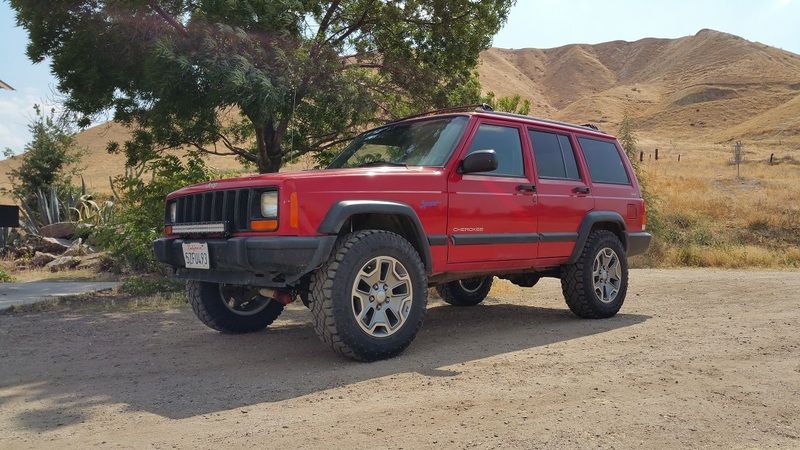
261	80
627	137
139	207
512	103
48	162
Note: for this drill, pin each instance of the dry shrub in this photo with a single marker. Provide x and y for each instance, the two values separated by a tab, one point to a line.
711	218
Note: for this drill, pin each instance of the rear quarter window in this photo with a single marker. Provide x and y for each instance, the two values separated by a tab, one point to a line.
604	161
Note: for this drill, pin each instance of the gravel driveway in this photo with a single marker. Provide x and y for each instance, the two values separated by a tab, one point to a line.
695	358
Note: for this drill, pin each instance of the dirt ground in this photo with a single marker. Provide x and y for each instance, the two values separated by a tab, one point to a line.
695	358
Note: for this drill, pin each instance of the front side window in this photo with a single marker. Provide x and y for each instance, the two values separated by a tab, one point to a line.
506	143
554	156
604	161
419	143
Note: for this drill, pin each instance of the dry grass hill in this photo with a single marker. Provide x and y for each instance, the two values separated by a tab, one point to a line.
690	96
711	86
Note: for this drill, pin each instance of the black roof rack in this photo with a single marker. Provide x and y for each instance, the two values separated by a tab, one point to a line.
474	107
587	126
485	108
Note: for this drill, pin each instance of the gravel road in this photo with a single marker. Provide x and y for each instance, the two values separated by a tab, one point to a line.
695	358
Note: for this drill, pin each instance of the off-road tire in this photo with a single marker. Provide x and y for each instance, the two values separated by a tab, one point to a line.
455	294
577	284
207	305
330	298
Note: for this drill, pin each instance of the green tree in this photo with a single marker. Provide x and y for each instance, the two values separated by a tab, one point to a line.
262	80
512	104
49	158
627	137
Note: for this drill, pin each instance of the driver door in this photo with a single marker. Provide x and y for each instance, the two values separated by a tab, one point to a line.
492	215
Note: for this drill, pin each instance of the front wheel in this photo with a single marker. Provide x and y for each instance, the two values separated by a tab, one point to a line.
231	308
595	286
467	292
369	299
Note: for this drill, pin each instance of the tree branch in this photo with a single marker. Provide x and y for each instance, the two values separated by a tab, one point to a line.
326	21
348	30
169	19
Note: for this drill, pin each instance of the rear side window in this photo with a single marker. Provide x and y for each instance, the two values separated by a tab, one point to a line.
604	161
506	143
554	156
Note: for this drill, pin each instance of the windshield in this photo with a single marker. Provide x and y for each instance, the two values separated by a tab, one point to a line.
419	143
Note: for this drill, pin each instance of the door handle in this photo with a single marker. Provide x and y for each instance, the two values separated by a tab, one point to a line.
526	187
581	190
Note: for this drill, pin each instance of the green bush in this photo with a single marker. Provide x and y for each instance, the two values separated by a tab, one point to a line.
139	216
150	286
5	277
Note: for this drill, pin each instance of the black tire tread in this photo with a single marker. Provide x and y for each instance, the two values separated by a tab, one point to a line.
453	295
577	294
201	295
321	297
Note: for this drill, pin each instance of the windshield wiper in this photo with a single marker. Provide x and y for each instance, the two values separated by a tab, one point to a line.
383	163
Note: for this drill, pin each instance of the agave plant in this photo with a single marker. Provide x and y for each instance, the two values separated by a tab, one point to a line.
47	208
43	211
90	212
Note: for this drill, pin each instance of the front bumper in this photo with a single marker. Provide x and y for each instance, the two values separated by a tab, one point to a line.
638	243
274	261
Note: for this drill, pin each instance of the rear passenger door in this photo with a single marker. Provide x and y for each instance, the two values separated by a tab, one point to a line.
564	195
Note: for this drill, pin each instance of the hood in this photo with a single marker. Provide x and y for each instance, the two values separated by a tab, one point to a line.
331	180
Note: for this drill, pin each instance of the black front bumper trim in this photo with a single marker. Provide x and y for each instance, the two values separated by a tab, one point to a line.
274	261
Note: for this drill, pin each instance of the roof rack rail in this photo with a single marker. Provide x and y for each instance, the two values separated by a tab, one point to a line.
591	125
474	107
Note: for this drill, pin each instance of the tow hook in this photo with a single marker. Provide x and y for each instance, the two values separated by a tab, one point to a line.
280	296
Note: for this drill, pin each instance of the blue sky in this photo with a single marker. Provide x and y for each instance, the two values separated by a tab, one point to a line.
532	23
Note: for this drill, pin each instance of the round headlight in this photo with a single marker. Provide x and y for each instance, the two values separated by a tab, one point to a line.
269	204
173	212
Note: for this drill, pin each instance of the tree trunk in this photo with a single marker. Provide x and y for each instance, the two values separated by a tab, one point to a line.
270	152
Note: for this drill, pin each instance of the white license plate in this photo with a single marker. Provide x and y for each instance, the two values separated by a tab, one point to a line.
195	255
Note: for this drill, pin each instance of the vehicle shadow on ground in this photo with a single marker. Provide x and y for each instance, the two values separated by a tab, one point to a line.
167	363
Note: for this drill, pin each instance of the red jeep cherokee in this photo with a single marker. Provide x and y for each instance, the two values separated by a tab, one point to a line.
450	199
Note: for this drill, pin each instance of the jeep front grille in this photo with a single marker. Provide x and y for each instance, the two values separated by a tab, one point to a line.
231	206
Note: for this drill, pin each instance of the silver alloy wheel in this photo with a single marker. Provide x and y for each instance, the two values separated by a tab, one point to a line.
381	296
606	275
243	300
471	285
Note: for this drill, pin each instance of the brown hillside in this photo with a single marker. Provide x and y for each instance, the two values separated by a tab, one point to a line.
708	88
711	86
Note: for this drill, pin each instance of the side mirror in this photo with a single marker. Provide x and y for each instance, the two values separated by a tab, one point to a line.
479	161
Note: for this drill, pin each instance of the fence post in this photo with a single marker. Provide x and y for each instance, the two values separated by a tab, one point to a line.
641	156
656	154
771	158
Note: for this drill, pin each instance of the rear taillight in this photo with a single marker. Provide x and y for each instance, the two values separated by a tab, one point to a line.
644	216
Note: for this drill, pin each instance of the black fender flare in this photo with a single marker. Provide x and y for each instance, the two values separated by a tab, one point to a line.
589	221
340	212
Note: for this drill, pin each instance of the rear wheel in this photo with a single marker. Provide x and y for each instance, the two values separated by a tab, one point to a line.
468	292
231	308
595	286
369	299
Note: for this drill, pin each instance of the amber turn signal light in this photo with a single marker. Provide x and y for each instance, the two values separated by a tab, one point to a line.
264	225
